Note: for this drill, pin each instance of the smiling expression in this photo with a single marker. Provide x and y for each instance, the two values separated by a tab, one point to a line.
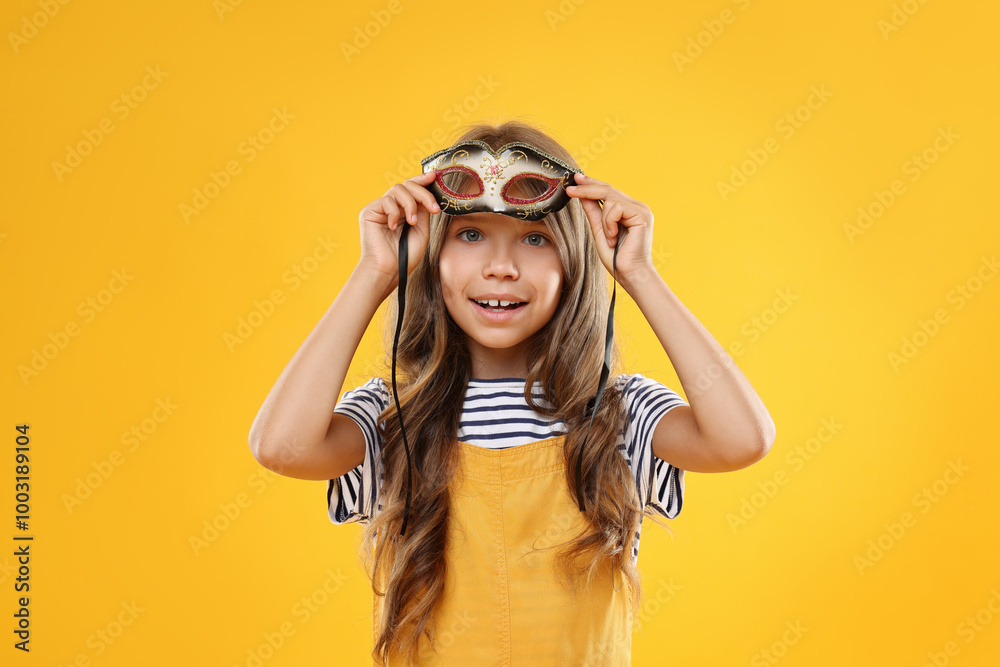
501	279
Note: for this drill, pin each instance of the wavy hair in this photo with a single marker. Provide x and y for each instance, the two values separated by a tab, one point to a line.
433	371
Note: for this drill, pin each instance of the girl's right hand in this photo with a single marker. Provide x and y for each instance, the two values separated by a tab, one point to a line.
408	202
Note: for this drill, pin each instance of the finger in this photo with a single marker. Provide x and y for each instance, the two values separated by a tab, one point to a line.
583	179
591	188
595	216
422	199
406	200
601	210
595	191
592	209
418	188
613	212
392	211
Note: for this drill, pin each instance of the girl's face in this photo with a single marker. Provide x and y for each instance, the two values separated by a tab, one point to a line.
488	258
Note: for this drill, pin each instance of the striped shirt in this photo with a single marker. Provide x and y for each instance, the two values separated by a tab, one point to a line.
496	416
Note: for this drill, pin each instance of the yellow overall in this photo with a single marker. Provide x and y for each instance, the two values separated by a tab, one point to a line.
503	603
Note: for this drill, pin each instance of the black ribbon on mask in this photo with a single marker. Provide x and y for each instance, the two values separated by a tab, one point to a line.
404	255
605	373
605	370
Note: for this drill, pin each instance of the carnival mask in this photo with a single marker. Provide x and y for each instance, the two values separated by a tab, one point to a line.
472	177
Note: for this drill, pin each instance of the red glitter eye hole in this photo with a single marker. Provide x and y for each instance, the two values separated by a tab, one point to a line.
460	182
528	188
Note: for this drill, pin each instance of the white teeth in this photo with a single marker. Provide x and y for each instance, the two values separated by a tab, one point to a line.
495	303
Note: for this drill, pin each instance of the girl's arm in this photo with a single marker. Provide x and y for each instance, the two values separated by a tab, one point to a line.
296	432
726	427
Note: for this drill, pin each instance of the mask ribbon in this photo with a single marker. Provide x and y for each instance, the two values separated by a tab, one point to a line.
605	371
404	254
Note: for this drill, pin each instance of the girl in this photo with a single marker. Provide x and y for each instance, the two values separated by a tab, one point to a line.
475	541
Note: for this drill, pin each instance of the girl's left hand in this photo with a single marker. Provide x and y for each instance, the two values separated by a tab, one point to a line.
635	257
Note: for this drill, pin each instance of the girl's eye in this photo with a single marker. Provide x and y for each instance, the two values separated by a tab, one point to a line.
536	239
469	235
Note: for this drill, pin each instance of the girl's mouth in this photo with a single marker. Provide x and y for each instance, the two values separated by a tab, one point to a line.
497	305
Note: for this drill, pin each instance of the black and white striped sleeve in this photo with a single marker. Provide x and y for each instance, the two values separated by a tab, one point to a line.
660	485
351	497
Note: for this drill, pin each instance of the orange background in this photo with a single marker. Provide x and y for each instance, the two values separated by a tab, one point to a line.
859	541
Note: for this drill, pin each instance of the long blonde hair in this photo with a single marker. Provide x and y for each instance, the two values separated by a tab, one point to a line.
433	371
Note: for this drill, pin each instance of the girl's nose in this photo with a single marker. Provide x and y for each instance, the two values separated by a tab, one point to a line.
500	263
